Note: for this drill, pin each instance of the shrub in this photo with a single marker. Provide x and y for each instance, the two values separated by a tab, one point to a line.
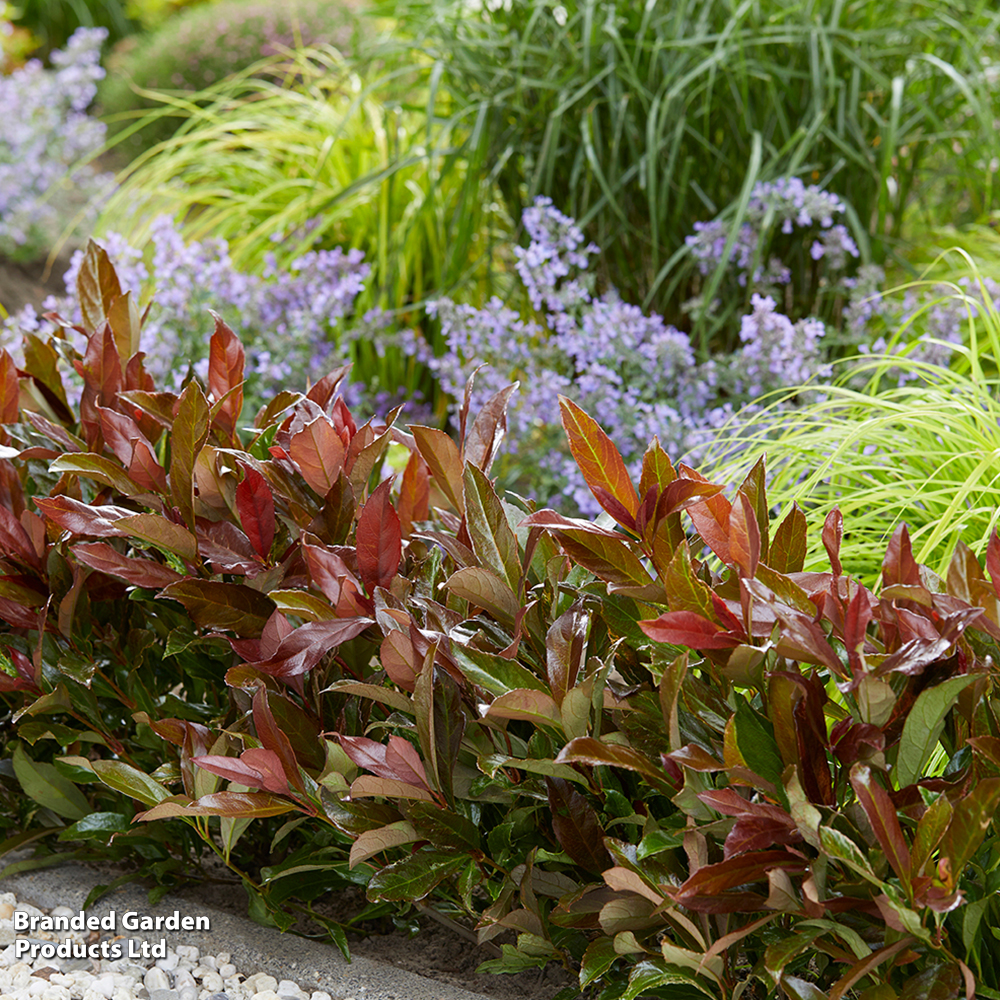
642	119
669	775
40	172
202	45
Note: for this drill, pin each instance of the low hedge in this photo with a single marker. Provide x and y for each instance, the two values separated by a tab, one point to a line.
201	46
649	747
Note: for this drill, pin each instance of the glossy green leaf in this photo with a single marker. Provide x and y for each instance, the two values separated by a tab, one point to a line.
414	877
674	983
43	784
447	728
492	539
756	743
132	782
840	847
923	727
495	673
96	826
597	959
443	827
490	763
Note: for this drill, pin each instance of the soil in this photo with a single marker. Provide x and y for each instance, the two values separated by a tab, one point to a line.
30	283
436	952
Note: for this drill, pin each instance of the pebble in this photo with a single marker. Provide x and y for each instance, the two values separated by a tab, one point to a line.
184	974
212	981
156	979
169	963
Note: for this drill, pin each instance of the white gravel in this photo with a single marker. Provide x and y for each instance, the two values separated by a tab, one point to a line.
85	967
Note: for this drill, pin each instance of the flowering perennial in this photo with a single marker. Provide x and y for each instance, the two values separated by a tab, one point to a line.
286	318
46	132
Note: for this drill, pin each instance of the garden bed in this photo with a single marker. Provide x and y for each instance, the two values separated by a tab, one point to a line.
437	962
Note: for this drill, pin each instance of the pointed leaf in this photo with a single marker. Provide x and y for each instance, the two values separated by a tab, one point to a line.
190	431
379	540
225	375
600	463
711	520
492	539
923	727
238	805
566	650
485	589
414	494
125	320
373	842
83	519
448	728
788	549
587	750
308	644
744	536
833	534
971	817
97	467
414	877
10	392
533	706
97	285
492	672
881	814
443	460
274	739
930	829
685	628
43	784
229	606
488	429
318	453
576	826
611	559
160	532
711	880
144	469
138	572
372	786
442	827
131	781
